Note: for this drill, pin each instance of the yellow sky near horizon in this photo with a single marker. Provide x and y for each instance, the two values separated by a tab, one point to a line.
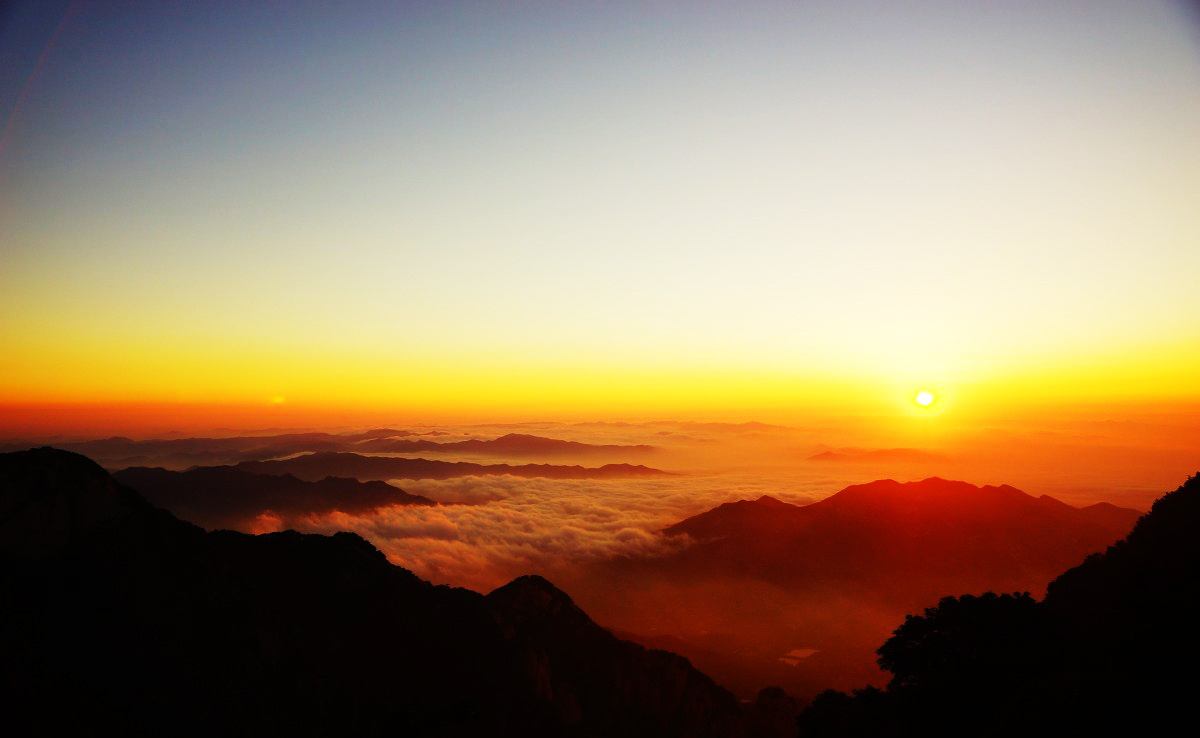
469	210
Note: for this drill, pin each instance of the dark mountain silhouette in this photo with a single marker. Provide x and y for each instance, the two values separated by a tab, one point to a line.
119	619
512	444
766	577
224	497
1111	650
1132	612
320	465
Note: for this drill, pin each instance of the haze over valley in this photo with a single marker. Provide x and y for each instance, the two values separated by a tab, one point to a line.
743	546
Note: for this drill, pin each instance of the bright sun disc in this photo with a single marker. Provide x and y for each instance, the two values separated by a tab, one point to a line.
924	398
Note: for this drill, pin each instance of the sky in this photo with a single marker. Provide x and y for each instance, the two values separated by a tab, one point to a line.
270	211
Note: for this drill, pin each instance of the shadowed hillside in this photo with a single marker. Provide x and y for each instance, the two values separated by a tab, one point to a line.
800	596
224	497
120	619
1111	650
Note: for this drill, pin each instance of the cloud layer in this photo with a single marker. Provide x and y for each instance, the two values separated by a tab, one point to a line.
491	529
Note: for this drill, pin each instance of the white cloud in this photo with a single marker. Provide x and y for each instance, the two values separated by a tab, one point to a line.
514	526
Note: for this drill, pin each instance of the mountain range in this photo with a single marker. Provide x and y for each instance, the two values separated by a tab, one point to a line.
119	452
511	444
317	466
1110	651
911	542
831	579
224	497
119	619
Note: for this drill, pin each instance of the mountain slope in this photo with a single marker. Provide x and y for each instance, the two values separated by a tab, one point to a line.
225	497
904	541
764	580
1111	650
120	619
1137	604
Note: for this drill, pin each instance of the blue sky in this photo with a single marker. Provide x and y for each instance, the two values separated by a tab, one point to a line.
899	188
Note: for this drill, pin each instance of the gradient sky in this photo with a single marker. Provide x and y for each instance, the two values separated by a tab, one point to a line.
601	206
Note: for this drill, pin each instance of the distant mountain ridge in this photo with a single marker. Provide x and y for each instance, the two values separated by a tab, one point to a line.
119	619
511	444
320	465
119	452
845	570
225	497
950	536
1112	650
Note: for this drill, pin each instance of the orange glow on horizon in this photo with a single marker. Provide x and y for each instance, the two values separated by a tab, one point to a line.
92	387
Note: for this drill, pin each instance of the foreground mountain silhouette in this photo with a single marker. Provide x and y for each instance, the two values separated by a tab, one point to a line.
224	497
835	576
317	466
119	619
1111	650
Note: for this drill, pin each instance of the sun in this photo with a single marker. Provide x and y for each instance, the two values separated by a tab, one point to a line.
924	398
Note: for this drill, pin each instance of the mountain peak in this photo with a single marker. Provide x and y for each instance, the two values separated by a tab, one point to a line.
531	598
931	490
954	533
769	501
50	499
730	517
524	437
